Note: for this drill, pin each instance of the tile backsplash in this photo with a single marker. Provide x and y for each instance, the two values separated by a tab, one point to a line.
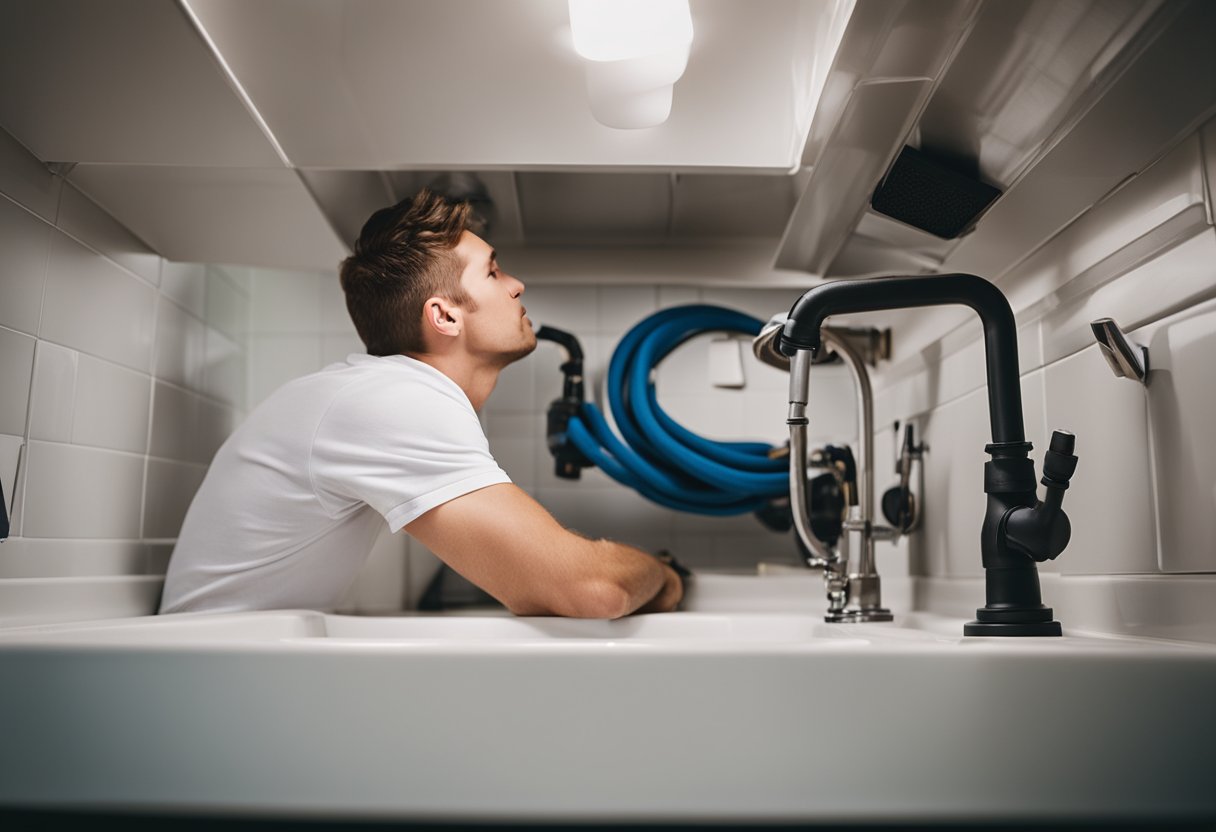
121	374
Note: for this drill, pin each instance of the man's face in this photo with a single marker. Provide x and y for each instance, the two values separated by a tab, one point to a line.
498	329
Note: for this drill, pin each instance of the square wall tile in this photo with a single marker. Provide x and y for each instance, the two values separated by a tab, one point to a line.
685	371
111	406
335	348
619	308
284	302
96	307
670	296
174	424
569	308
1109	501
53	395
25	244
227	308
171	488
514	392
186	285
180	351
225	368
16	369
91	225
759	303
1182	411
421	567
335	320
26	180
380	584
78	492
216	422
948	541
275	360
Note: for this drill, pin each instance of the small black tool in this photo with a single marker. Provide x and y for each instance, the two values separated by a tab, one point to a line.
3	514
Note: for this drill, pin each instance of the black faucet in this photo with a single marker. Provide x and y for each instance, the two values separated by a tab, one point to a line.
1019	530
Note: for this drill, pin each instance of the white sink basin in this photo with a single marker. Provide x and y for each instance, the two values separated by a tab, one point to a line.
714	714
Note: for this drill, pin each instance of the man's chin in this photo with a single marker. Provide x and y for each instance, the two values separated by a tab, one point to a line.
521	352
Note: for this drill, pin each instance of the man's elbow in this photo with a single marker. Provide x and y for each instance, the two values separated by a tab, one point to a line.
605	599
595	599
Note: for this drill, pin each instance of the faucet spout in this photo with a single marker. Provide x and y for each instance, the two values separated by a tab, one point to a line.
801	330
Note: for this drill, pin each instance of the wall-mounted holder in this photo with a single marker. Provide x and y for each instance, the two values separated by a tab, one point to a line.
1126	358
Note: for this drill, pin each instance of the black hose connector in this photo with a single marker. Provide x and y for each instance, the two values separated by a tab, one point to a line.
568	461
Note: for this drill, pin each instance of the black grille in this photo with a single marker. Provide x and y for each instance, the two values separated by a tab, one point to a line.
926	194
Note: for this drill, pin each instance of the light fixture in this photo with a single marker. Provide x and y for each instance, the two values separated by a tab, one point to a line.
634	52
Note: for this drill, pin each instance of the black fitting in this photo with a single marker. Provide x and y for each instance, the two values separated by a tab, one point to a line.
568	460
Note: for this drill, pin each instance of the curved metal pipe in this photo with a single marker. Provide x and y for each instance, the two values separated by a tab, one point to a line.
800	372
865	455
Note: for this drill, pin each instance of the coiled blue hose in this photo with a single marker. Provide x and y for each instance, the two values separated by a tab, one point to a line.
659	458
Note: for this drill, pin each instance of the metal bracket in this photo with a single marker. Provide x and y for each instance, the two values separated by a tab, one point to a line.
1127	359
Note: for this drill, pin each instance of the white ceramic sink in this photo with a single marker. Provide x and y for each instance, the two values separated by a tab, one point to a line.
746	708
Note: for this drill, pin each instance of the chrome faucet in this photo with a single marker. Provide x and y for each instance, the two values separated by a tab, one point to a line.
1019	530
854	595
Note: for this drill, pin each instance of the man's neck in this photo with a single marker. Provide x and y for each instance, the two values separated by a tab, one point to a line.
477	382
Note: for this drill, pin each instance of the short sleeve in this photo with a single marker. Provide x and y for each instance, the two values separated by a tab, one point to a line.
401	449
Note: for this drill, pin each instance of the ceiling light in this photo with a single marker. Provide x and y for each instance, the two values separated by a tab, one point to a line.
634	52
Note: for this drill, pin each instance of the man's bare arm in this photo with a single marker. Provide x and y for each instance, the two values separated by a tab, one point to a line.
509	545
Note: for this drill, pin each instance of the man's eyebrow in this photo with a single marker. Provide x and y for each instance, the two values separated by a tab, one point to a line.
493	258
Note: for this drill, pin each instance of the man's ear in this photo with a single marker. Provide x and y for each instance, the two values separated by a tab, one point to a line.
442	317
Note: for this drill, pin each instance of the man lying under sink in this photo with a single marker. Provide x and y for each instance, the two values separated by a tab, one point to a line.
295	498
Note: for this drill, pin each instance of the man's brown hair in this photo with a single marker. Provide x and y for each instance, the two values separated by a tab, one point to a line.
403	256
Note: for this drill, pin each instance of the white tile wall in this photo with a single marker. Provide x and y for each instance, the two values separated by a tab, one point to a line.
1140	509
180	353
73	491
115	317
1182	415
95	306
53	396
171	486
1106	538
25	244
16	367
185	284
111	406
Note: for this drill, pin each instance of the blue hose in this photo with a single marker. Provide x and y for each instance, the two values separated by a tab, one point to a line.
659	458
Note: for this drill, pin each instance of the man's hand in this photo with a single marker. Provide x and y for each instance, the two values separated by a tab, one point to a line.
669	597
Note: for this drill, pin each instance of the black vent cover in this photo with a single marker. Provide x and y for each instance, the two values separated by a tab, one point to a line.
926	194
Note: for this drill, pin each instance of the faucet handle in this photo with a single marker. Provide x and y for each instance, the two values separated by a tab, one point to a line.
1043	532
1059	463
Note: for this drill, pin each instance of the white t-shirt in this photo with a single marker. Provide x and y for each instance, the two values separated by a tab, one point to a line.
295	498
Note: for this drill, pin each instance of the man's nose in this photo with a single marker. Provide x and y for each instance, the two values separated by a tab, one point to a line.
518	288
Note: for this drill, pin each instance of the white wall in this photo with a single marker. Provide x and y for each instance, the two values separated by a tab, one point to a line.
120	375
1143	502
